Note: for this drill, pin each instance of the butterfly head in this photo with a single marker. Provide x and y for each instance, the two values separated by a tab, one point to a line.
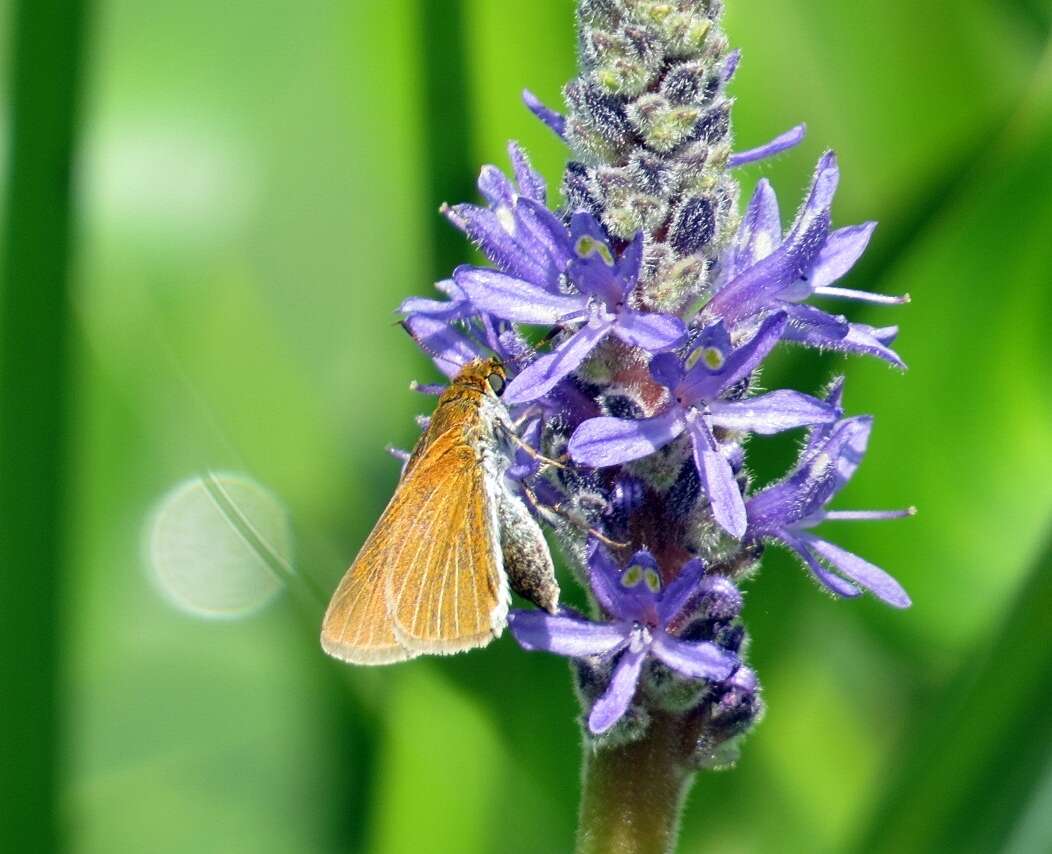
484	375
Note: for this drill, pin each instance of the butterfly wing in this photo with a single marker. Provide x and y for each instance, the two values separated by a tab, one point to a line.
437	523
451	593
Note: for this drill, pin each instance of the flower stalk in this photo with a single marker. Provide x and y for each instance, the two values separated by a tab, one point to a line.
633	794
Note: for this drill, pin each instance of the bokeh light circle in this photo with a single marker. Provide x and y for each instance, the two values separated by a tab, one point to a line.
199	560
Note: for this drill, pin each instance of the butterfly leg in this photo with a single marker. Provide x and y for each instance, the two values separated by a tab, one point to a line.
559	512
533	452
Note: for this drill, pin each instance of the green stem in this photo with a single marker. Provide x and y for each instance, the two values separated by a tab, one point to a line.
633	794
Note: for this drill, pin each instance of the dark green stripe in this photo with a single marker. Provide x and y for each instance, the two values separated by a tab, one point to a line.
450	174
34	404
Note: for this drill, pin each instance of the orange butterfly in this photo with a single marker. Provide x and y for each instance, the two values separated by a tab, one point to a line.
433	575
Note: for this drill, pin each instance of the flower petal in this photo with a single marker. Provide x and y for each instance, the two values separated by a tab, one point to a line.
771	413
603	578
704	384
760	232
594	269
614	702
717	477
653	332
513	299
444	310
545	373
871	341
813	327
495	187
827	579
841	250
783	142
728	507
531	184
554	120
667	369
450	350
701	660
547	233
564	634
498	236
823	188
754	289
862	572
849	447
807	320
822	470
677	595
631	261
606	441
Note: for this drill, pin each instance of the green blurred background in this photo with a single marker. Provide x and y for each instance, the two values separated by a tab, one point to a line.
256	186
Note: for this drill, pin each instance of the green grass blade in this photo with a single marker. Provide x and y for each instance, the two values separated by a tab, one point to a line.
449	172
35	385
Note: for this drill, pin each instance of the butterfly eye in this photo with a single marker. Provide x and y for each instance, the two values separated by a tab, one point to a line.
496	382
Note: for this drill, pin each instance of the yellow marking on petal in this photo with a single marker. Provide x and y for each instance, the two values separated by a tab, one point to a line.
633	575
587	246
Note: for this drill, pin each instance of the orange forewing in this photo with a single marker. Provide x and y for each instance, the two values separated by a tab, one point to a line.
428	578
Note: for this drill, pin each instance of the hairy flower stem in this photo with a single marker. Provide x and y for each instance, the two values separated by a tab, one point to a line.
633	793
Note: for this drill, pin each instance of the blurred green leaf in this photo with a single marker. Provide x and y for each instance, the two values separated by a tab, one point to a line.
443	763
965	774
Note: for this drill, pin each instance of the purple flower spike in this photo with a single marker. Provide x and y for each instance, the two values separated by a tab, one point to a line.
790	139
642	612
626	420
603	282
786	511
698	407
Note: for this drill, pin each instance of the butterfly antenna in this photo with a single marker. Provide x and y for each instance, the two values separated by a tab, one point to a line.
457	366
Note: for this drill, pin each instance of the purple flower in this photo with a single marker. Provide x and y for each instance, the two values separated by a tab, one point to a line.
786	511
516	230
642	614
699	404
448	347
600	306
453	332
764	271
